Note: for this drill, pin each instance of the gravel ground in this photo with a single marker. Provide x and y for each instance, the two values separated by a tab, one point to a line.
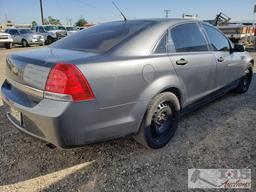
219	135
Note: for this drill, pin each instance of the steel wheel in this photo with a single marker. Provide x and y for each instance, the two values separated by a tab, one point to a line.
245	81
161	121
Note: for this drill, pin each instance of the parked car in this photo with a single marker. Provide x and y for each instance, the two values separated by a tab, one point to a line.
122	78
25	37
51	33
69	29
6	40
82	28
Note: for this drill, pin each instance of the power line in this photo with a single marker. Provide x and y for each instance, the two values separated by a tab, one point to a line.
93	6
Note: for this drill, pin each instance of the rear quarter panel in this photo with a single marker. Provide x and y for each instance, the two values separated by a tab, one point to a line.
130	84
130	80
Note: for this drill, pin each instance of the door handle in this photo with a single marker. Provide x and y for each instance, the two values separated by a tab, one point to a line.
182	62
221	59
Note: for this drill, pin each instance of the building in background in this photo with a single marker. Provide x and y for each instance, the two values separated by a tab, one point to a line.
189	16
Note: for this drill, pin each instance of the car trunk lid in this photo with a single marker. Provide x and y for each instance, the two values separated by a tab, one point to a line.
31	68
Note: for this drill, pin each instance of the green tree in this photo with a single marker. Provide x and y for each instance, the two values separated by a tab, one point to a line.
34	24
53	21
46	22
81	22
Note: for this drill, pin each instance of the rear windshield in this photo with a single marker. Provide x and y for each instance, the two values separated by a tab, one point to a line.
101	38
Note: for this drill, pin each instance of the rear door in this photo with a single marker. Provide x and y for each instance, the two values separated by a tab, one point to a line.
194	64
228	64
15	35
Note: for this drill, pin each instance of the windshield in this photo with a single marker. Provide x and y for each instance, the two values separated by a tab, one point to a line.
51	28
101	38
71	28
25	31
61	28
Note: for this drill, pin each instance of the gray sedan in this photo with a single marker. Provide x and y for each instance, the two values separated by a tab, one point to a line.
124	78
25	37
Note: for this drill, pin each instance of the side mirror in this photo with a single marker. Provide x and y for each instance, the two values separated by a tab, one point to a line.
238	48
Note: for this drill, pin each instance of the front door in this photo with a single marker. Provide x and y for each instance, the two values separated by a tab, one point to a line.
228	64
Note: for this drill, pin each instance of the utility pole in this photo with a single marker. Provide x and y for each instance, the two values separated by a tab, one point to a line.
167	11
42	13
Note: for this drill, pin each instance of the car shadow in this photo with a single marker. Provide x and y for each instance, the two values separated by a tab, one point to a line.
122	163
19	47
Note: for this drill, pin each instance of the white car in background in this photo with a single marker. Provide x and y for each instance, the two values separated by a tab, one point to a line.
6	40
69	29
51	33
25	37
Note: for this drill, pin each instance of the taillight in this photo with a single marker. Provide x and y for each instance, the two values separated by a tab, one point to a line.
66	81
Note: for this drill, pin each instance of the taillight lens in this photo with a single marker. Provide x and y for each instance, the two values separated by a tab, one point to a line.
67	79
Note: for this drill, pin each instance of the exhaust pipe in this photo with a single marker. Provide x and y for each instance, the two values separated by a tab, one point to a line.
50	145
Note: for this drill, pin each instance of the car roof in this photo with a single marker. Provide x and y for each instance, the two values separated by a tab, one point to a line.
10	28
142	43
47	25
24	28
162	21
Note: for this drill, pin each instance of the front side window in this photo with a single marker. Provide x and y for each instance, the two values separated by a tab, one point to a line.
13	32
217	40
41	29
188	38
16	32
25	31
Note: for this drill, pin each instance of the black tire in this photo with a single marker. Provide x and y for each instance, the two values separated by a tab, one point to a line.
160	121
245	82
8	45
24	43
50	40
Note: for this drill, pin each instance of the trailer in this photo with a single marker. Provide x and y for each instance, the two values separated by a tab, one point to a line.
239	33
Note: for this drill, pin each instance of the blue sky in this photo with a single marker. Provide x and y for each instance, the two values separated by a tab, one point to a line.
24	11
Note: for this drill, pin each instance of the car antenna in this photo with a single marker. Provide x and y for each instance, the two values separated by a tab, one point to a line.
119	10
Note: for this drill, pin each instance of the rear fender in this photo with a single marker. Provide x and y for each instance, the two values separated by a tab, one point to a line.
161	84
164	83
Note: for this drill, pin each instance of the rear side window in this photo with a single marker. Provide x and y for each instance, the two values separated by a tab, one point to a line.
188	38
217	40
162	45
102	38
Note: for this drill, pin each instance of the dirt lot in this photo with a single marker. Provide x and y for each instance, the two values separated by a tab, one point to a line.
220	135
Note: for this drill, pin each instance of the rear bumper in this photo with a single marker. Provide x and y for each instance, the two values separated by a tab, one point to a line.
38	121
67	124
